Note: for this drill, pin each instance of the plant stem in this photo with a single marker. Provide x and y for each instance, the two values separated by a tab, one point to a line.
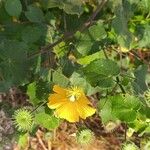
123	91
120	85
38	106
125	133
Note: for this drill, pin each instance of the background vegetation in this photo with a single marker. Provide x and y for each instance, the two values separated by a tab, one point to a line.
99	45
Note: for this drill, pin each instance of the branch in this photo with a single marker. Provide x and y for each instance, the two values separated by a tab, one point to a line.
67	36
40	140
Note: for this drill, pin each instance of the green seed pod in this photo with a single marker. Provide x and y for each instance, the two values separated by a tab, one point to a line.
85	137
23	120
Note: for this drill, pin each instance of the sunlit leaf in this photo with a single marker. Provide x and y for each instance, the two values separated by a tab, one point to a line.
104	67
46	120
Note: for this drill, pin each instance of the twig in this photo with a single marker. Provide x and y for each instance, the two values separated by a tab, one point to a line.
138	57
49	145
40	141
38	106
54	134
123	74
125	133
135	55
65	23
120	85
67	36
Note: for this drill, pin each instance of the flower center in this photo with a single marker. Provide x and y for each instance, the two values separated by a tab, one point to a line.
74	93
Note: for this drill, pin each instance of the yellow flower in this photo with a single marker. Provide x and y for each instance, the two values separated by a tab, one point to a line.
70	104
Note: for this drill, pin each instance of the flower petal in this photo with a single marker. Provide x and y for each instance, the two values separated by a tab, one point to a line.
68	111
85	111
59	90
83	100
56	100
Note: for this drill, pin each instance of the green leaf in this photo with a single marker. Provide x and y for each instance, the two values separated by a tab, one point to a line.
43	90
13	7
70	7
31	92
77	80
12	31
139	84
68	66
104	67
105	110
46	120
125	107
14	66
138	125
4	86
38	92
50	18
31	34
34	14
60	79
104	82
60	49
147	130
73	7
99	80
120	25
144	5
100	72
46	34
51	3
89	58
144	41
85	41
23	140
97	31
4	17
126	115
